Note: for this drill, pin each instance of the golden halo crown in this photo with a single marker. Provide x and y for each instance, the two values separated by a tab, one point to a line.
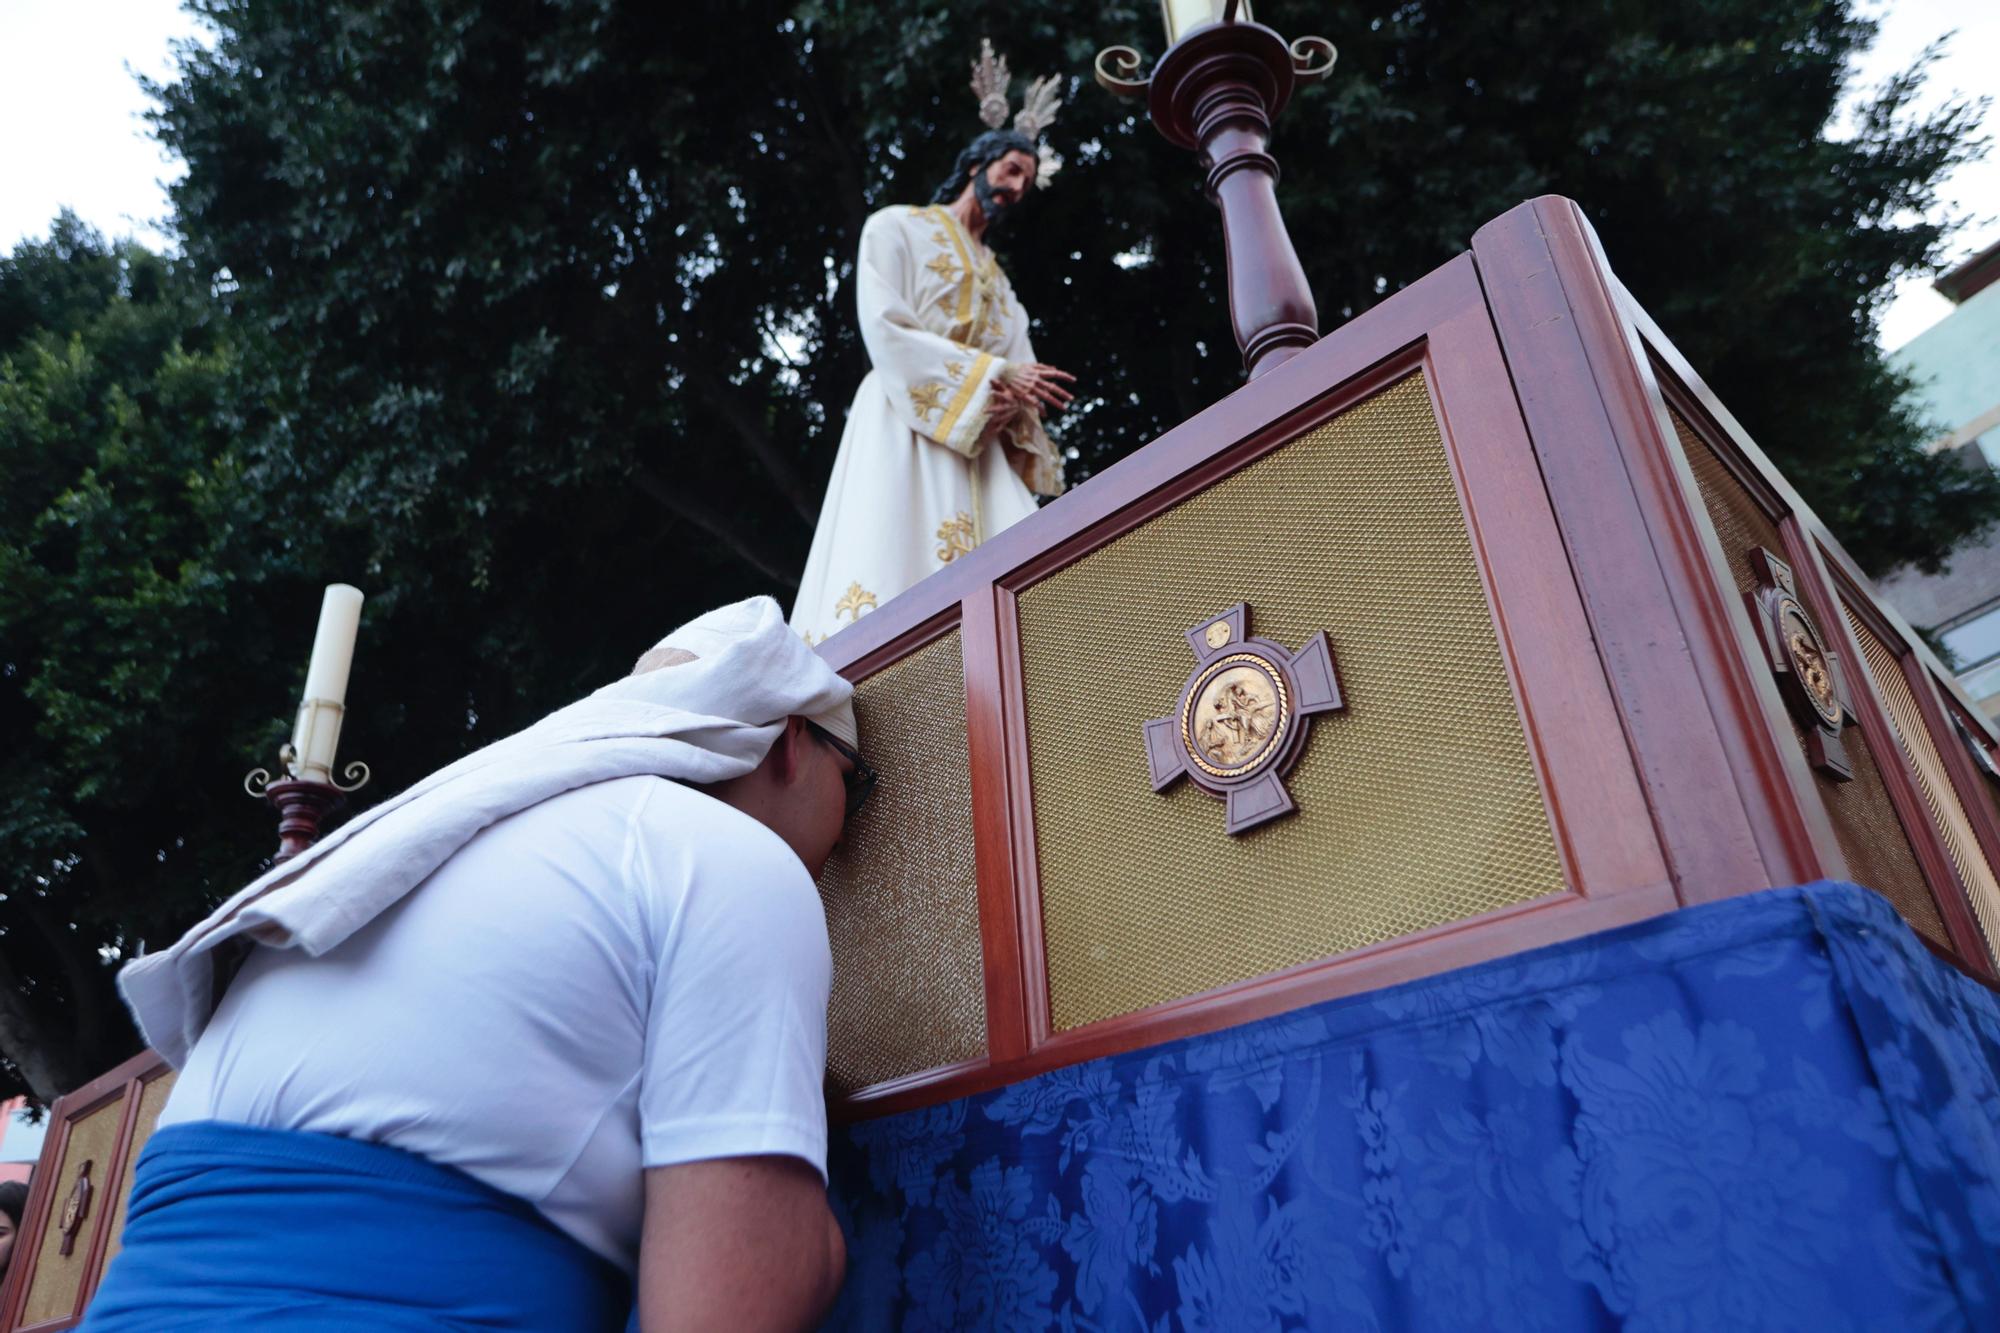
1039	103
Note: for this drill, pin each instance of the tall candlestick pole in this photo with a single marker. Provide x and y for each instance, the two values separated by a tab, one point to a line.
302	807
1216	91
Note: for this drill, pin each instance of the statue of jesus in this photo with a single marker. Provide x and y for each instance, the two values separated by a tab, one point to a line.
944	443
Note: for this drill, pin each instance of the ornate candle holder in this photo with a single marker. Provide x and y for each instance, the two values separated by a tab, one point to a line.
1217	90
303	801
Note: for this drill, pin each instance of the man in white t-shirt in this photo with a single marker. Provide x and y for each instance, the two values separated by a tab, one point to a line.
609	1004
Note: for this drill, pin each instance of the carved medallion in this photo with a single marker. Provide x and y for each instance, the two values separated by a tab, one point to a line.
75	1208
1807	670
1243	717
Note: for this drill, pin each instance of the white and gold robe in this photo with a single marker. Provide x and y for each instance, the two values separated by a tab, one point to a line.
920	479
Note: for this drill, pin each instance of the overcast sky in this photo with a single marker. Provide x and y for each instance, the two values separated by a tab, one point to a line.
71	126
75	134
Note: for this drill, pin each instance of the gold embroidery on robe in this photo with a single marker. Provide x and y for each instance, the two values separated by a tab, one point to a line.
949	234
961	399
990	304
954	370
977	298
956	534
926	399
857	600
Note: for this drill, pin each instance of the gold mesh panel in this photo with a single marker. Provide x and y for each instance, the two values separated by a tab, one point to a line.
152	1100
901	894
1871	837
57	1280
1419	805
1940	796
1739	520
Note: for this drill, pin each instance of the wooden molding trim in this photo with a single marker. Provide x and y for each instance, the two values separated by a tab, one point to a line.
1668	639
1771	482
1952	894
125	1081
1607	838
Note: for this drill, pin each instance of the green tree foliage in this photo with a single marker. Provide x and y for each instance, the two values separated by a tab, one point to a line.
541	318
120	629
515	250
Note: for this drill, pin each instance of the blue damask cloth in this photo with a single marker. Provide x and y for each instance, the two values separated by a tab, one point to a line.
1773	1112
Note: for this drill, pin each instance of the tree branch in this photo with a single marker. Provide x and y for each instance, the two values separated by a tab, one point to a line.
728	405
81	970
30	1044
756	556
833	132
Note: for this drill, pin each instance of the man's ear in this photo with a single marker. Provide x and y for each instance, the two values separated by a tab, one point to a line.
786	755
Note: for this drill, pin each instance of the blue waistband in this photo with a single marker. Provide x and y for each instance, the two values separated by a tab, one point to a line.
206	1144
230	1224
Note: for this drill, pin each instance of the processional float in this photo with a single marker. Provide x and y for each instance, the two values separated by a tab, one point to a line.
1227	937
1276	788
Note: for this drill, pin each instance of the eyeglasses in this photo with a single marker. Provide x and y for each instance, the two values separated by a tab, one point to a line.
860	780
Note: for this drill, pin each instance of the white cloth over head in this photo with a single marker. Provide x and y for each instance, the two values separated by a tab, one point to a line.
702	721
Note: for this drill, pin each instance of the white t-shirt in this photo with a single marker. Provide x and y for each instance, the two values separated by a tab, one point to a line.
632	974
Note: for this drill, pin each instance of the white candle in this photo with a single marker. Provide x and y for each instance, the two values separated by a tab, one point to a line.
333	645
1183	16
317	734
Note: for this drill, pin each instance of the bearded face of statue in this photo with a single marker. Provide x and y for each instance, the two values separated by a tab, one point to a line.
1002	184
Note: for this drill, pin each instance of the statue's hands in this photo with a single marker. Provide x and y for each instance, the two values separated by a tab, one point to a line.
1037	385
1003	409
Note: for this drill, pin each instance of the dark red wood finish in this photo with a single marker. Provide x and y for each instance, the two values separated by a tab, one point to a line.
1661	600
1825	858
302	806
1941	707
1827	576
127	1081
1940	699
1667	763
981	634
1217	91
1871	712
1614	868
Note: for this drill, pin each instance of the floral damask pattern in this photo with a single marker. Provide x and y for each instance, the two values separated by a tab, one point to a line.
984	1267
1685	1205
1773	1112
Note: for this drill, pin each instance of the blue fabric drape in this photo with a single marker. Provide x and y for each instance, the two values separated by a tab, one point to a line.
234	1227
1772	1112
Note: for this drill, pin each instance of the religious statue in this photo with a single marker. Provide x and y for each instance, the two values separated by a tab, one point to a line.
944	443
